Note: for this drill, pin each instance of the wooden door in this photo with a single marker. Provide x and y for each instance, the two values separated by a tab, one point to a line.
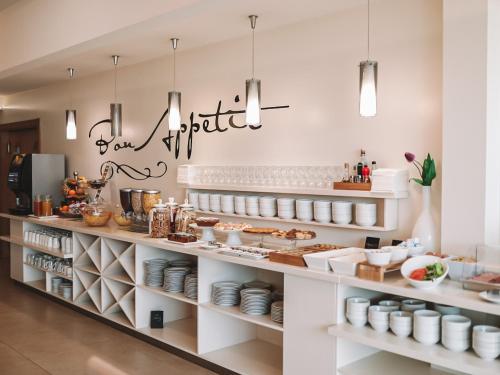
19	137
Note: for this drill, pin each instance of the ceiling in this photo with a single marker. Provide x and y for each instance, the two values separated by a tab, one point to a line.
6	3
199	24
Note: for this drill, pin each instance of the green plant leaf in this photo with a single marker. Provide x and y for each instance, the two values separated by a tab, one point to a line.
418	181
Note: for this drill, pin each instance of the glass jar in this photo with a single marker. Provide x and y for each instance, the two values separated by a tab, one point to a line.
47	206
96	214
37	205
121	217
184	218
159	221
126	200
149	199
136	196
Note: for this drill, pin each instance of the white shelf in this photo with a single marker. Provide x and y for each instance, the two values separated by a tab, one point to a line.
52	272
301	191
389	364
46	250
37	284
466	362
448	292
297	222
178	333
251	357
234	311
177	296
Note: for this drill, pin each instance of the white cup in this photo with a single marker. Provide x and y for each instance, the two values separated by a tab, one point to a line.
227	204
193	200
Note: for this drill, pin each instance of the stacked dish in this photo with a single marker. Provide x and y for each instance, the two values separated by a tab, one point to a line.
55	284
255	301
378	316
214	202
153	272
342	212
174	279
227	204
401	323
204	201
426	326
257	284
286	208
239	204
486	342
180	263
455	332
267	206
226	293
304	209
252	205
322	211
277	312
390	304
357	311
66	290
191	286
366	214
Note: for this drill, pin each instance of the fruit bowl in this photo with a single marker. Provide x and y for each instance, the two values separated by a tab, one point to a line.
423	261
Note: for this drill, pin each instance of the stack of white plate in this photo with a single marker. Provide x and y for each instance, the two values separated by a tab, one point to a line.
366	214
153	272
252	205
304	209
239	204
342	212
455	332
226	293
193	200
267	206
277	312
286	208
257	284
357	311
401	323
204	201
486	342
323	211
227	204
174	279
255	301
191	286
180	263
378	316
427	326
214	202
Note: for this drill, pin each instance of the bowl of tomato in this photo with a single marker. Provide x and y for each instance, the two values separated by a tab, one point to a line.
425	271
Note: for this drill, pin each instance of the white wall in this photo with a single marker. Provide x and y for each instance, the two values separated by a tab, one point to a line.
310	66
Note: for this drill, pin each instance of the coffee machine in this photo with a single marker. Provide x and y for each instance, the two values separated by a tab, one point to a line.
35	174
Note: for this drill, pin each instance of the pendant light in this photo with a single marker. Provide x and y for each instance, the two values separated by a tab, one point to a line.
368	81
116	108
174	100
71	113
252	111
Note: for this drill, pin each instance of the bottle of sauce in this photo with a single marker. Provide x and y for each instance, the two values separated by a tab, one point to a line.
365	173
37	205
47	206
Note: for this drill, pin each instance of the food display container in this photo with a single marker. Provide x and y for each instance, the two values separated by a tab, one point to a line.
149	199
184	218
481	271
136	196
159	220
96	214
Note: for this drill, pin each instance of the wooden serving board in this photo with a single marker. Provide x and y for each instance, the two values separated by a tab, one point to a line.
352	186
294	257
376	273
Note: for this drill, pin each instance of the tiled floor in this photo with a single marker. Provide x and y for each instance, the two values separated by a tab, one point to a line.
38	336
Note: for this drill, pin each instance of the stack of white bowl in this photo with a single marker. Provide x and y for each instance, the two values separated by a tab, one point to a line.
204	201
427	326
193	199
239	204
446	310
455	332
227	204
304	209
267	206
342	212
378	316
357	311
322	211
392	305
486	342
401	323
366	214
215	202
412	305
286	208
252	205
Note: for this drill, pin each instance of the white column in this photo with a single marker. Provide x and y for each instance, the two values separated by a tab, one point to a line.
471	124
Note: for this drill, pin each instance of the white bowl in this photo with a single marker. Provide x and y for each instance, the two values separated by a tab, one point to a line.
416	251
378	257
398	253
412	305
392	305
486	334
358	322
426	318
420	262
447	310
456	322
462	270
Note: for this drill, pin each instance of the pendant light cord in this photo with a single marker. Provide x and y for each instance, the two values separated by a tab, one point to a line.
174	68
253	53
115	83
368	30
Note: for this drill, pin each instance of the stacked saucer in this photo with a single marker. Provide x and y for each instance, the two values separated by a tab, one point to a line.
252	205
322	211
226	293
153	272
342	212
277	312
455	332
180	263
366	214
304	209
174	279
257	284
286	208
255	301
267	206
191	286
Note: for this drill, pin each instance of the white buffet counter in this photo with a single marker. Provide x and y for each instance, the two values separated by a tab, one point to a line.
314	338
